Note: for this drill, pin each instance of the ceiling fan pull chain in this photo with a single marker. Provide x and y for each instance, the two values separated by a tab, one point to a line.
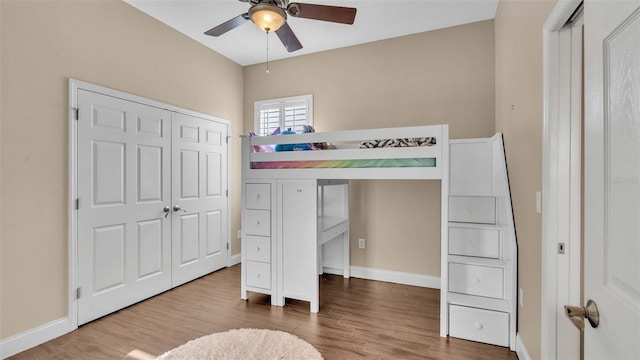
267	52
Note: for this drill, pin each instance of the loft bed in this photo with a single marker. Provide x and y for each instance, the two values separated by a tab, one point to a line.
284	210
295	206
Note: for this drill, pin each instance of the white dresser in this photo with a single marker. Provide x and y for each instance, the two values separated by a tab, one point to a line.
258	238
286	225
481	254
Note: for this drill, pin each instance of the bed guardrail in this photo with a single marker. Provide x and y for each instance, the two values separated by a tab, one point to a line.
348	160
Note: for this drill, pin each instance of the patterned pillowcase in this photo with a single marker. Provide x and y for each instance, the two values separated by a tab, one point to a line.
406	142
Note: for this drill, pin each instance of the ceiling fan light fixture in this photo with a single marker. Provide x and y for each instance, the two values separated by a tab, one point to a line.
267	17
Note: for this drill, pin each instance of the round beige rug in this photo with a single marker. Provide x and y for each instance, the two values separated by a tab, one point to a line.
245	344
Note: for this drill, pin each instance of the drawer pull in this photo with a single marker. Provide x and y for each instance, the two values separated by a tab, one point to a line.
258	275
257	248
258	195
476	280
478	326
257	222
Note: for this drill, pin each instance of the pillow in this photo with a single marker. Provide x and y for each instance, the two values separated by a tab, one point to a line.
315	146
291	147
261	148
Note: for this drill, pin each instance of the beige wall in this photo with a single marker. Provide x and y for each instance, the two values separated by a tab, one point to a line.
104	42
444	76
518	41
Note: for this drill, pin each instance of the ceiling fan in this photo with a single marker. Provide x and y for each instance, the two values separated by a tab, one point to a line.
271	15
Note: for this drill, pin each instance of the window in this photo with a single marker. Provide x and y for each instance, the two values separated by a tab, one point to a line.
285	113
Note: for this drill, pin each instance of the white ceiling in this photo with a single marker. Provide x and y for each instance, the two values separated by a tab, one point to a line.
375	20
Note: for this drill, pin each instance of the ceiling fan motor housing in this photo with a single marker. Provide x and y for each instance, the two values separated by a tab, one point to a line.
267	16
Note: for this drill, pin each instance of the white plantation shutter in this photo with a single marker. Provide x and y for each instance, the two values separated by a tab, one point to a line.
295	115
269	119
287	113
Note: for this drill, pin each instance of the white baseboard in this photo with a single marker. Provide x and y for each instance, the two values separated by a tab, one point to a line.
388	276
235	259
34	337
332	269
521	351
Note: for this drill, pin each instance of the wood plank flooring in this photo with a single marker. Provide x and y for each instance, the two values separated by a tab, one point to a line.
358	319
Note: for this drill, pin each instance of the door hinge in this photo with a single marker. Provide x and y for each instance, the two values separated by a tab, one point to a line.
78	293
77	203
227	192
227	139
227	246
561	247
76	113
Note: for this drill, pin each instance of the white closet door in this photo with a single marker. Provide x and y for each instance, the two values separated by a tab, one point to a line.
199	205
124	239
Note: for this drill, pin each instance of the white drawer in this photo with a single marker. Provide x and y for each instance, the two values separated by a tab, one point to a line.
472	209
259	275
477	280
474	242
485	326
258	248
257	222
258	196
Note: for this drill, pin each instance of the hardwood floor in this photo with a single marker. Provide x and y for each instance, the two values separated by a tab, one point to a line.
358	319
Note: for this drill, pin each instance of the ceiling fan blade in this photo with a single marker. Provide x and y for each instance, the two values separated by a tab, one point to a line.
288	38
338	14
228	25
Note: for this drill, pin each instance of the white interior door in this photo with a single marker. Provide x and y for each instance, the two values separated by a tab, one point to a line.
199	205
612	177
124	239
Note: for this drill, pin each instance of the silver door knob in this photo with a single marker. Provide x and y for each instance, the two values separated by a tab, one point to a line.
577	314
177	208
166	210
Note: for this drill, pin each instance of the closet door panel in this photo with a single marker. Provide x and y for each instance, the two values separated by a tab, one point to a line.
199	204
123	177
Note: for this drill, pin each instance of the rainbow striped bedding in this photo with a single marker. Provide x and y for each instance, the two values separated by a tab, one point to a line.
344	164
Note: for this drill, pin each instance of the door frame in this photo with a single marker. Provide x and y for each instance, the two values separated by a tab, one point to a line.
560	220
74	86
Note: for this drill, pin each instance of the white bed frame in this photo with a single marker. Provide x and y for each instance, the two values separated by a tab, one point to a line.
262	198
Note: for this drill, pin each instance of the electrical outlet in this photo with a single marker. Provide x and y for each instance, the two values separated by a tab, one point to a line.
239	234
521	297
361	243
